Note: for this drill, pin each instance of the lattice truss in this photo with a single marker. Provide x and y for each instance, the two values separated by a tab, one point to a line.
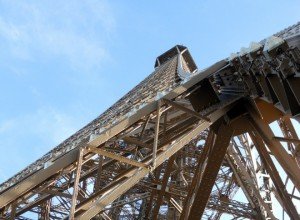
183	144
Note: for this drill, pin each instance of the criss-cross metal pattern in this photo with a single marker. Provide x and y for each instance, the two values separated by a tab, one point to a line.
183	144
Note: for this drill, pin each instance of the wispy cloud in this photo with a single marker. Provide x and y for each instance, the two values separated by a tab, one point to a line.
68	38
45	123
26	138
6	126
70	30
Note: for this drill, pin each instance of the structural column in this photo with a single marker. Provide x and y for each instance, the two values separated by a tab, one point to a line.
76	184
223	134
287	162
271	169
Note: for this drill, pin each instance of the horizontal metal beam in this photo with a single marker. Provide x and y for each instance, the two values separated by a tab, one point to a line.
287	162
99	204
187	110
272	171
136	141
117	157
289	140
209	175
37	178
70	157
57	193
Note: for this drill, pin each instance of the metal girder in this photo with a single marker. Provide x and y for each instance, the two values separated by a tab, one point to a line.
45	210
189	111
223	135
290	136
289	206
125	173
197	176
57	193
37	178
70	157
156	130
288	164
249	183
98	175
99	204
231	207
289	140
173	200
76	184
117	157
161	194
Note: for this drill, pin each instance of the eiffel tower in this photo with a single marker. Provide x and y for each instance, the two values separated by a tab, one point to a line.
183	144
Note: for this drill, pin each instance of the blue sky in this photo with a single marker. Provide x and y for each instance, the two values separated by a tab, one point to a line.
65	62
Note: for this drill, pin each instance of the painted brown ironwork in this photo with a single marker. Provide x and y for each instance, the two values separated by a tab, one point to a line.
183	144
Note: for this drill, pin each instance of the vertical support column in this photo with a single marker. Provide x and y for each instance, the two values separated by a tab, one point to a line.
116	211
271	169
98	177
45	210
164	183
144	127
248	181
287	163
289	131
142	209
2	211
149	201
155	142
223	135
76	184
257	170
196	180
244	186
13	211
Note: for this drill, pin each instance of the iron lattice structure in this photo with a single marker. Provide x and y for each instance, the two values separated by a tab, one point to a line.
180	145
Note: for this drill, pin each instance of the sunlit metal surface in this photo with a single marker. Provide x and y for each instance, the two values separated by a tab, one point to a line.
183	144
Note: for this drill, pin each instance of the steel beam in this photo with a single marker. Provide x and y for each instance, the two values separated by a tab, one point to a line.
287	163
187	110
164	183
99	204
197	175
76	184
70	157
116	157
156	133
213	164
272	171
98	175
289	140
248	181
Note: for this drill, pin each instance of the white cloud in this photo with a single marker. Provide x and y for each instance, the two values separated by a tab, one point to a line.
72	30
52	124
73	33
45	123
26	138
39	131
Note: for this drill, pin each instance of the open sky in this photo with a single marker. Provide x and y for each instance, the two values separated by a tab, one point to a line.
65	62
